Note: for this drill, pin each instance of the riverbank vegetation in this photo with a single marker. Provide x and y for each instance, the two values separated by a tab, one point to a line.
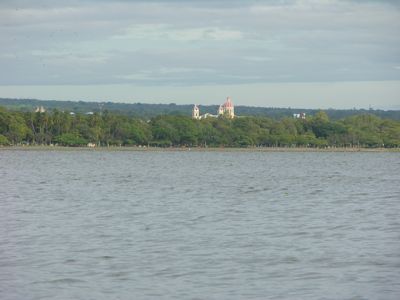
108	129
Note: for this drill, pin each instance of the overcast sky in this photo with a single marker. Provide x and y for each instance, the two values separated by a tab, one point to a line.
297	53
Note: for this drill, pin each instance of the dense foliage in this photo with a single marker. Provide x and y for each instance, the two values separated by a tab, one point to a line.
64	128
147	111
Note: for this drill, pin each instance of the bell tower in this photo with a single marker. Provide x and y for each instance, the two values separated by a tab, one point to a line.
196	112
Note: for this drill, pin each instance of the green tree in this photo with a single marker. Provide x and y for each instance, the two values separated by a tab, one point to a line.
70	139
4	141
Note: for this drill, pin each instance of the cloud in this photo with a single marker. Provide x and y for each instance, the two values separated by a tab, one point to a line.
175	42
257	58
164	74
65	57
167	32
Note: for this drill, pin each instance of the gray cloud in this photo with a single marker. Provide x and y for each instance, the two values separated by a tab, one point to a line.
174	42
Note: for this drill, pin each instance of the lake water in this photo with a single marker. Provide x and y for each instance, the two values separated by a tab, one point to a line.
199	225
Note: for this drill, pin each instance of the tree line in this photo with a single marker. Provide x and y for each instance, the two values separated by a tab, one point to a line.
147	111
112	129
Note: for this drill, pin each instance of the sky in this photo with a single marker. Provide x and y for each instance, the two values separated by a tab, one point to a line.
273	53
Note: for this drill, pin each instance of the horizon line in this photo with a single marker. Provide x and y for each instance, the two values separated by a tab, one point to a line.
371	108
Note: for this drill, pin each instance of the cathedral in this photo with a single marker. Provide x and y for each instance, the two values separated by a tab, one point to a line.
226	109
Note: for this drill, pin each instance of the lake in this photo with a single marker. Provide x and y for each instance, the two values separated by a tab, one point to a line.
90	224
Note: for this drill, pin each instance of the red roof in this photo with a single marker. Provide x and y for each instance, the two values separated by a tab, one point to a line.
228	102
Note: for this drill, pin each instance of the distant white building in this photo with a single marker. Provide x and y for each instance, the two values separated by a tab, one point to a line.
226	109
299	116
40	109
196	112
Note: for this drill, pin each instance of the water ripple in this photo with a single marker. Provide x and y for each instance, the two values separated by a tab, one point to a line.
199	225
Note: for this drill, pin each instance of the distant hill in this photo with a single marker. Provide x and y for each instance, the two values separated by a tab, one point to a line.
150	110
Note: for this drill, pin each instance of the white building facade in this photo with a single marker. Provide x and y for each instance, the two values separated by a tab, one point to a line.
227	109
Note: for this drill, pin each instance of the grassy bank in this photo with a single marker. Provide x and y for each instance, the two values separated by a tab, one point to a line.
198	149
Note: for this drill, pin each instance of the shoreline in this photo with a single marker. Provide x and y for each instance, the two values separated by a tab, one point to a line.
196	149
